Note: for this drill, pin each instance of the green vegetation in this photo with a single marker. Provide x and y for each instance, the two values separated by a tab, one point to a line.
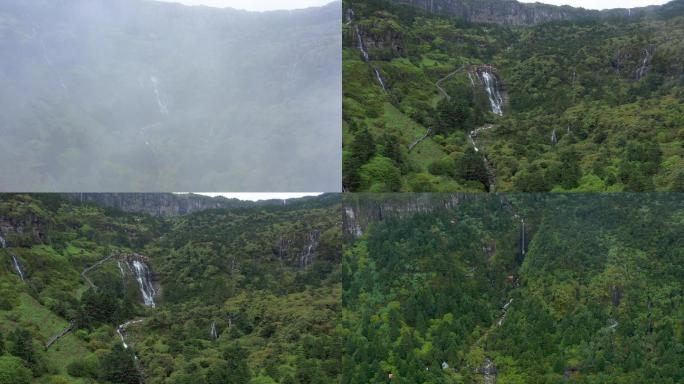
610	90
245	295
590	291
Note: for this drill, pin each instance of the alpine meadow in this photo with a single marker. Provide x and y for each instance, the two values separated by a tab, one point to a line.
90	293
496	95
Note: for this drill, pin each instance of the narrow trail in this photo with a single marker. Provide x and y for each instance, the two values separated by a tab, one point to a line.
59	335
439	82
420	139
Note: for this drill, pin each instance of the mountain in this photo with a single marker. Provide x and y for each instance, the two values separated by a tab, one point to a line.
174	204
512	12
515	288
435	101
240	295
147	96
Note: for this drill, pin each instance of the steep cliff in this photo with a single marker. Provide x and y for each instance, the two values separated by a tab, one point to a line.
511	12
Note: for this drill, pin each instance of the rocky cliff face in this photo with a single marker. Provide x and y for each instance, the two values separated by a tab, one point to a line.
161	204
511	12
360	210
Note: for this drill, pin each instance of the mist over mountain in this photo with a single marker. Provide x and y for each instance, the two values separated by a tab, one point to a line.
133	95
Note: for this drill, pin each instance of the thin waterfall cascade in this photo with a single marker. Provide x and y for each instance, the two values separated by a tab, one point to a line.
213	332
488	371
353	225
492	85
645	63
554	137
306	258
17	267
364	52
161	102
504	311
121	331
15	261
522	237
143	275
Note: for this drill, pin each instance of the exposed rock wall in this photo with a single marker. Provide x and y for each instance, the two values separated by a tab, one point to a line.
511	12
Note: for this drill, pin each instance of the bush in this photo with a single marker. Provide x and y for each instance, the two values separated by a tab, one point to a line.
13	371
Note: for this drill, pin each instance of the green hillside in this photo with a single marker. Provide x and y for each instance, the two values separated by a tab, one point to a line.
608	90
244	295
588	290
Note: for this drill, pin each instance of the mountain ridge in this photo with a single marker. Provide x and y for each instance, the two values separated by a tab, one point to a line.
512	12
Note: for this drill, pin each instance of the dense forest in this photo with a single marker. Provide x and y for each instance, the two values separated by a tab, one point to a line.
91	294
536	288
433	102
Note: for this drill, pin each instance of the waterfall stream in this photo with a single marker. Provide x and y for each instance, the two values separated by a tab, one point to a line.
489	371
364	52
493	89
213	333
163	107
307	256
15	261
143	276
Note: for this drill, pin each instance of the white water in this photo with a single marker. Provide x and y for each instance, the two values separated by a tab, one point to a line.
213	333
554	138
504	311
523	237
121	331
15	262
351	217
366	56
489	371
17	267
613	324
491	85
163	108
307	256
144	277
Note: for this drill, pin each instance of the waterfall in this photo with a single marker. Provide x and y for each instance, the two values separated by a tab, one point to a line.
17	267
15	261
645	64
213	333
121	331
504	311
489	371
492	87
522	236
554	138
163	108
144	277
306	258
366	57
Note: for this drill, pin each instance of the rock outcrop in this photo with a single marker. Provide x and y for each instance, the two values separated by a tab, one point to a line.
511	12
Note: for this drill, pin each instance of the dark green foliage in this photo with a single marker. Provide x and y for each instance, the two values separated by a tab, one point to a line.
575	80
13	371
118	367
267	277
598	296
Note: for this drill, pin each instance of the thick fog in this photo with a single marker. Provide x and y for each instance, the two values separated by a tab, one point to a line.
134	95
